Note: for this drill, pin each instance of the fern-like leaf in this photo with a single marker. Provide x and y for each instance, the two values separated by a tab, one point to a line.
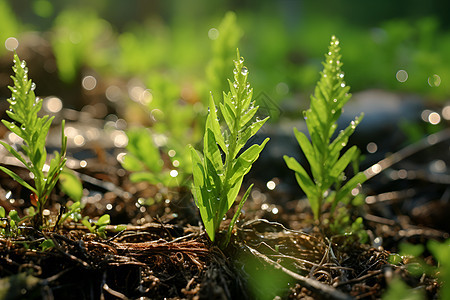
323	153
219	174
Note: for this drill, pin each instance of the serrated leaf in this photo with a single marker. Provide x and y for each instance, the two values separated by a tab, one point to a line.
346	189
341	140
247	133
343	162
227	114
248	116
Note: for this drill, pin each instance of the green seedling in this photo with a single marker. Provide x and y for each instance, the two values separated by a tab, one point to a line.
323	151
73	213
219	174
144	159
9	224
98	227
24	109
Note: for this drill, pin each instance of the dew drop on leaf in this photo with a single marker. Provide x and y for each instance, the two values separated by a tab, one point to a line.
244	71
33	86
241	60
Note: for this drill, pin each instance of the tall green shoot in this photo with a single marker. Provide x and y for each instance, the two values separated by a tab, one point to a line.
23	110
323	151
219	174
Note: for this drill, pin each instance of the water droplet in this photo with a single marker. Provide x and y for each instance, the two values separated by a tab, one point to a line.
241	60
23	127
334	100
235	85
235	72
244	71
333	111
342	84
329	53
341	75
343	144
33	86
23	64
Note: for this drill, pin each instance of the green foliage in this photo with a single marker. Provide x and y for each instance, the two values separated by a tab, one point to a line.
144	159
77	41
73	213
342	224
9	224
323	151
417	266
398	290
174	120
8	23
24	108
441	251
219	174
71	185
98	227
223	47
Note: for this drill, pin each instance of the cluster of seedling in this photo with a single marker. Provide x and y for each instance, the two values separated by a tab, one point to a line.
219	172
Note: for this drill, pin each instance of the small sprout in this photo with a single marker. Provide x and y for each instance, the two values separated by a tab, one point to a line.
323	152
219	174
23	110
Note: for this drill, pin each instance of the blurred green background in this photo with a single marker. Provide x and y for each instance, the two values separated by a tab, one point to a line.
178	45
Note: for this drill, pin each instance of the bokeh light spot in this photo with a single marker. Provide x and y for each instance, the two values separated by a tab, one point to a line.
434	118
11	44
53	104
401	75
434	81
89	83
213	34
372	147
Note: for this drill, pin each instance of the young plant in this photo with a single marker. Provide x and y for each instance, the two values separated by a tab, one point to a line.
219	174
324	149
98	227
144	159
24	108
